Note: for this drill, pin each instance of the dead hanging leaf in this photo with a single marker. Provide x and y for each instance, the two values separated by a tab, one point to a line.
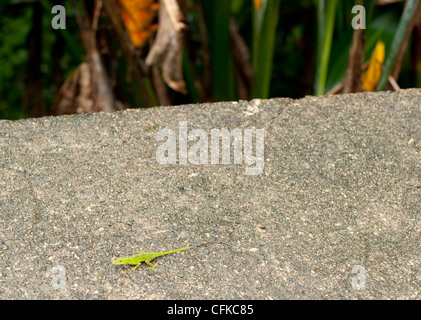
75	95
89	88
371	77
166	52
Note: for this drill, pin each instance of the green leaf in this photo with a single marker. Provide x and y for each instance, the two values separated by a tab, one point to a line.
410	8
326	23
265	22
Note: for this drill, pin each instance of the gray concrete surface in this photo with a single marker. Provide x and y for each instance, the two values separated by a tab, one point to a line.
334	215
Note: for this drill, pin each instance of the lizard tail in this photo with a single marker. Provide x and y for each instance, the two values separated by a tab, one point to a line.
198	245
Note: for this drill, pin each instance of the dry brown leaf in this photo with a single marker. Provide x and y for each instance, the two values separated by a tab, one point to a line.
75	95
91	89
166	52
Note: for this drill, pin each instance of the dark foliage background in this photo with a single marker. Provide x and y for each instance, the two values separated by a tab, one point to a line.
227	54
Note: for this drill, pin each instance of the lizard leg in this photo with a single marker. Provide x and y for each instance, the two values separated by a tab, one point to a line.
152	266
136	267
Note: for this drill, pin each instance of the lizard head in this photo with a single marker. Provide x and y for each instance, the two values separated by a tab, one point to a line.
120	261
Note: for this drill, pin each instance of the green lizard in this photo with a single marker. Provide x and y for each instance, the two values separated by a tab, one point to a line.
147	257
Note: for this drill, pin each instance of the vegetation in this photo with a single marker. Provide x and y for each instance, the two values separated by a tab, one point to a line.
212	50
